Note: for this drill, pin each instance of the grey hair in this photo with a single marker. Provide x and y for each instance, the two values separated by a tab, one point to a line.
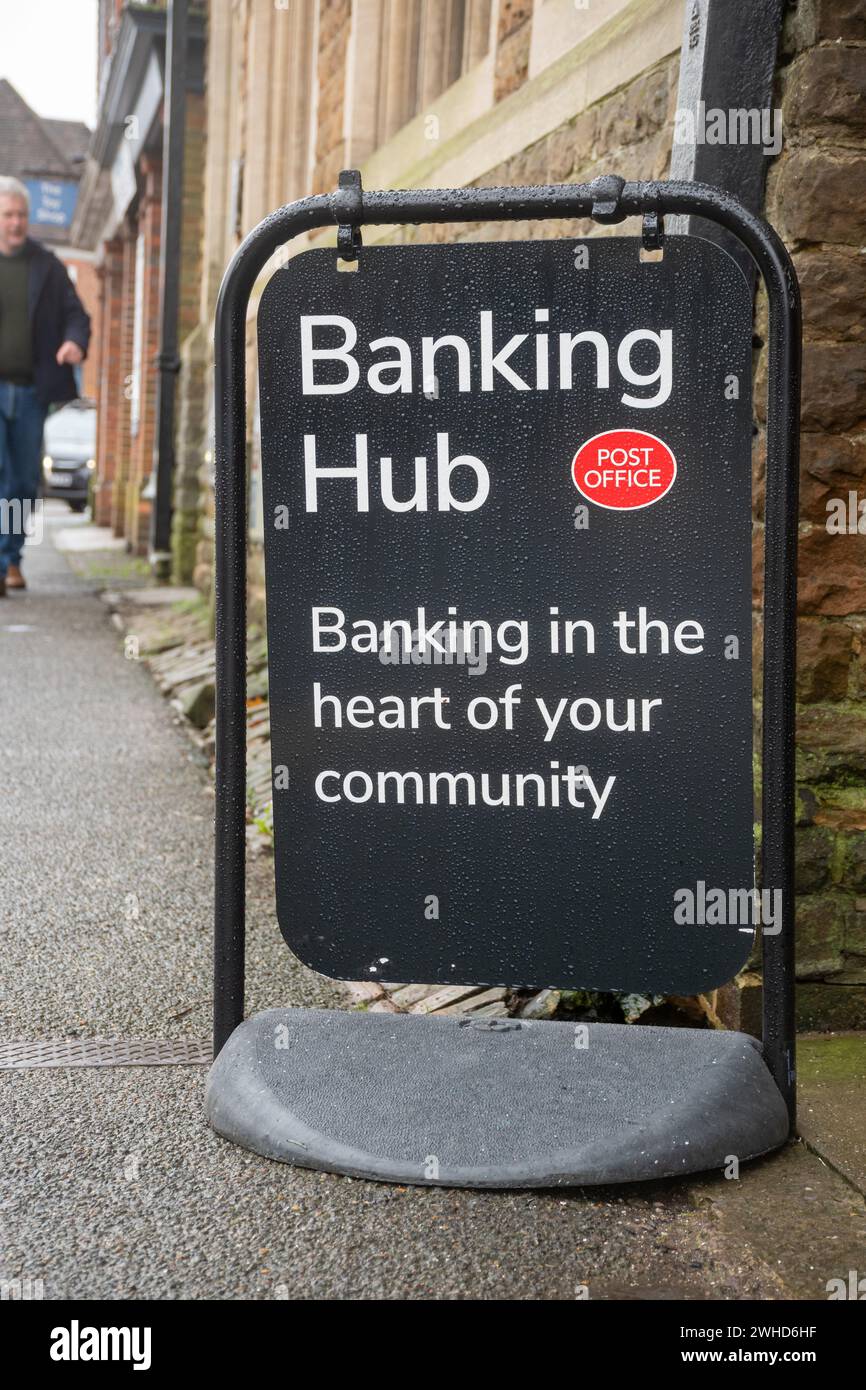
14	188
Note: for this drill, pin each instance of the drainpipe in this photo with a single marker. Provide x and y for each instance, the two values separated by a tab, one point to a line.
167	360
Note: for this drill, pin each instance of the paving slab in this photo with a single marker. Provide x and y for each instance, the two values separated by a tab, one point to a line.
81	536
153	596
111	1183
832	1100
118	1189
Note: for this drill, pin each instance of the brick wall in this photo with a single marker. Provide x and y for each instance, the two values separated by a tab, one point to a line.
109	388
122	384
141	453
89	289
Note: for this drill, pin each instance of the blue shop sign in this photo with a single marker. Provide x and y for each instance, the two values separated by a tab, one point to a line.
52	202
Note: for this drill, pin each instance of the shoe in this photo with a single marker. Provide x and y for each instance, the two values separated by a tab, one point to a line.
15	579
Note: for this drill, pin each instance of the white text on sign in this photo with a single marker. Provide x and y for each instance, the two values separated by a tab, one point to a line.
392	367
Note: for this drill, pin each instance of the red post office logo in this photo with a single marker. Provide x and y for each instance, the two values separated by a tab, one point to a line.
624	469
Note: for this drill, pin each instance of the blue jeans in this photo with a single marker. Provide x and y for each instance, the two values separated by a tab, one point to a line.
22	417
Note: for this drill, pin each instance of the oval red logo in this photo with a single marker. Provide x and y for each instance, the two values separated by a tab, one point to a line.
624	469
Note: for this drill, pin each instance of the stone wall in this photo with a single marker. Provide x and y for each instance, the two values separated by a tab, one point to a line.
816	196
513	33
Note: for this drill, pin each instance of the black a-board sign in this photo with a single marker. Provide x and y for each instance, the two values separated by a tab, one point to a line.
506	546
508	564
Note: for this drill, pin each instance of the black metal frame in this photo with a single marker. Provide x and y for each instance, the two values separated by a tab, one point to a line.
608	199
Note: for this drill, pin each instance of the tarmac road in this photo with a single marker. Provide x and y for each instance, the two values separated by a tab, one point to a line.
112	1185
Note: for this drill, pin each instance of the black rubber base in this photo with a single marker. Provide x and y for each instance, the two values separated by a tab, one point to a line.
492	1103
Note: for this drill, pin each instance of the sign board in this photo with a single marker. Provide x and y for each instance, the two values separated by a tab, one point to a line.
507	521
52	202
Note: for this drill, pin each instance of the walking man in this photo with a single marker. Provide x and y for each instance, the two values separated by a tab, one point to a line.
44	333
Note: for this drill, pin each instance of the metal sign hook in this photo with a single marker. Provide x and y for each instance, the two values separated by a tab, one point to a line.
348	203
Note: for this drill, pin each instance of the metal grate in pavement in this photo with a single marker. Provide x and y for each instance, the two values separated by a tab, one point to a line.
105	1052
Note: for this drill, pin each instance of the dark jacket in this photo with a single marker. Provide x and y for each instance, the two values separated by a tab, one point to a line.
56	316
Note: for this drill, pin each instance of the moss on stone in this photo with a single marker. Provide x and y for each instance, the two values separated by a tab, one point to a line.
835	1057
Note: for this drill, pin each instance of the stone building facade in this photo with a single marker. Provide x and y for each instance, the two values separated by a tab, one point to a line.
420	93
444	93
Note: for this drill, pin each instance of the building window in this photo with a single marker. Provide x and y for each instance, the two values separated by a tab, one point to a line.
405	54
423	48
455	35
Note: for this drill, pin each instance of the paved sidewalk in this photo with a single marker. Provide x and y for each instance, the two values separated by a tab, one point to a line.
111	1184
